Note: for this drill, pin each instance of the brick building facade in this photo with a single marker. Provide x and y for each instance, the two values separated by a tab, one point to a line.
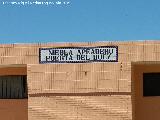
80	91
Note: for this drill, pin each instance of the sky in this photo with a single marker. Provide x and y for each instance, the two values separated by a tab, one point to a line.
80	21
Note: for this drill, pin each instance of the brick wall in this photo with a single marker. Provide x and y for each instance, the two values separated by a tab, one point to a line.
88	91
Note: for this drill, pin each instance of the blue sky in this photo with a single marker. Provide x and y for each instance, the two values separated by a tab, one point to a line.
81	20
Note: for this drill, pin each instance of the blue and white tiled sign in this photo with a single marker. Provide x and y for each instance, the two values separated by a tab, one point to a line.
78	54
